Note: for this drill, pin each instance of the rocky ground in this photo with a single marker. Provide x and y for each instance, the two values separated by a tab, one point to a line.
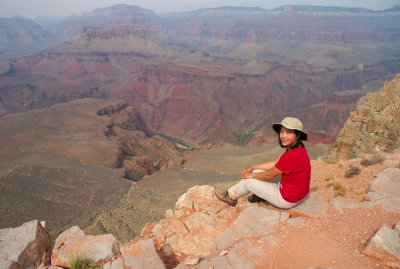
355	228
336	235
330	230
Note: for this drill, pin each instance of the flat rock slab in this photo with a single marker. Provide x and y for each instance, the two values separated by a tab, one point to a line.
385	190
213	262
313	206
141	255
245	254
296	222
251	222
340	203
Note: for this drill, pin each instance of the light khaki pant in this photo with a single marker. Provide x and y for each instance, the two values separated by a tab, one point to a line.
267	190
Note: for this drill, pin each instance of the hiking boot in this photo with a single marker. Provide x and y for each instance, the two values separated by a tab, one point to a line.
254	198
224	197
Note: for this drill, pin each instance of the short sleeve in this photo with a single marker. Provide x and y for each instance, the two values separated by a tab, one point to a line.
286	164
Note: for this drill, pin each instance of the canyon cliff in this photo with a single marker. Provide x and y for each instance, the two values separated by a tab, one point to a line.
19	36
207	77
372	127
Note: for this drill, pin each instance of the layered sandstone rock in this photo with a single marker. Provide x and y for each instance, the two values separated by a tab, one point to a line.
27	246
197	220
141	254
202	226
385	247
373	127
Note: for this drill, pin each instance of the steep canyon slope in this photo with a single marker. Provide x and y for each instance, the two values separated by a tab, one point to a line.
66	162
373	127
20	36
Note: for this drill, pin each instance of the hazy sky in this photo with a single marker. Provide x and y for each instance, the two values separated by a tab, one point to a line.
33	8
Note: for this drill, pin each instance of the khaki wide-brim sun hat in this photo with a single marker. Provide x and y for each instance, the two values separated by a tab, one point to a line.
291	123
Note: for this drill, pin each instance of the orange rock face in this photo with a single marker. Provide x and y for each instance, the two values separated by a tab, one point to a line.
373	126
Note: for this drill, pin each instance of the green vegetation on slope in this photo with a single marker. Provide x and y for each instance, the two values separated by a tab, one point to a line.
243	136
190	147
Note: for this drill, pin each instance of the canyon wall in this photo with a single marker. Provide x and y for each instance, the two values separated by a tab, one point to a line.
184	99
206	76
372	127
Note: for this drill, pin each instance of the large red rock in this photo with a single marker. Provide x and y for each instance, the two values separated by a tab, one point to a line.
245	225
203	226
197	220
141	255
27	246
385	189
385	247
314	205
74	243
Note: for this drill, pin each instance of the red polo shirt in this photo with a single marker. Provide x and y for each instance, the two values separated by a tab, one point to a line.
296	174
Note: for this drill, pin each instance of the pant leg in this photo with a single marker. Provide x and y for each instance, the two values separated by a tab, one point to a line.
267	190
